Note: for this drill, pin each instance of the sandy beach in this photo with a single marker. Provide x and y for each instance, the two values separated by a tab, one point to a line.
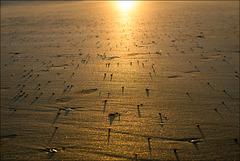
85	80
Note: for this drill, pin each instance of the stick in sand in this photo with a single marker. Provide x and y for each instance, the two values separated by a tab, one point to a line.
111	77
112	116
210	85
139	113
56	117
104	76
160	115
51	96
34	100
109	130
147	91
218	113
227	107
189	96
136	156
150	75
176	155
236	141
149	145
227	94
13	112
198	126
104	106
53	134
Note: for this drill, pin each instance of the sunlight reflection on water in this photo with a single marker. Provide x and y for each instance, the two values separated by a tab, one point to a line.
125	6
146	63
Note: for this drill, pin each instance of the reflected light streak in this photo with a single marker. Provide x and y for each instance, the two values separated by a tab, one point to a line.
125	6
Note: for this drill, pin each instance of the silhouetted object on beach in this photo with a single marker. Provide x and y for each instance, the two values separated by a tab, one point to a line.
218	113
154	71
112	116
227	94
21	95
176	155
227	107
198	126
52	150
55	130
69	88
36	98
67	111
147	91
136	156
104	76
48	83
111	77
150	75
213	68
160	115
104	106
210	85
149	145
197	68
139	113
194	142
13	112
109	131
189	96
237	142
55	119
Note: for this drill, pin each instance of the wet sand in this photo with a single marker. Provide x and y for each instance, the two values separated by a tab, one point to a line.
85	81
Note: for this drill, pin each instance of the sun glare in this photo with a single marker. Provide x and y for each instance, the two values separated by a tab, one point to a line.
125	6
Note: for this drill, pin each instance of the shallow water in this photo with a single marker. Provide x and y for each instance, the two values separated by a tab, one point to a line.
79	54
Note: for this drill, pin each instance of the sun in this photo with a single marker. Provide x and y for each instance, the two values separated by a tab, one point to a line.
125	6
